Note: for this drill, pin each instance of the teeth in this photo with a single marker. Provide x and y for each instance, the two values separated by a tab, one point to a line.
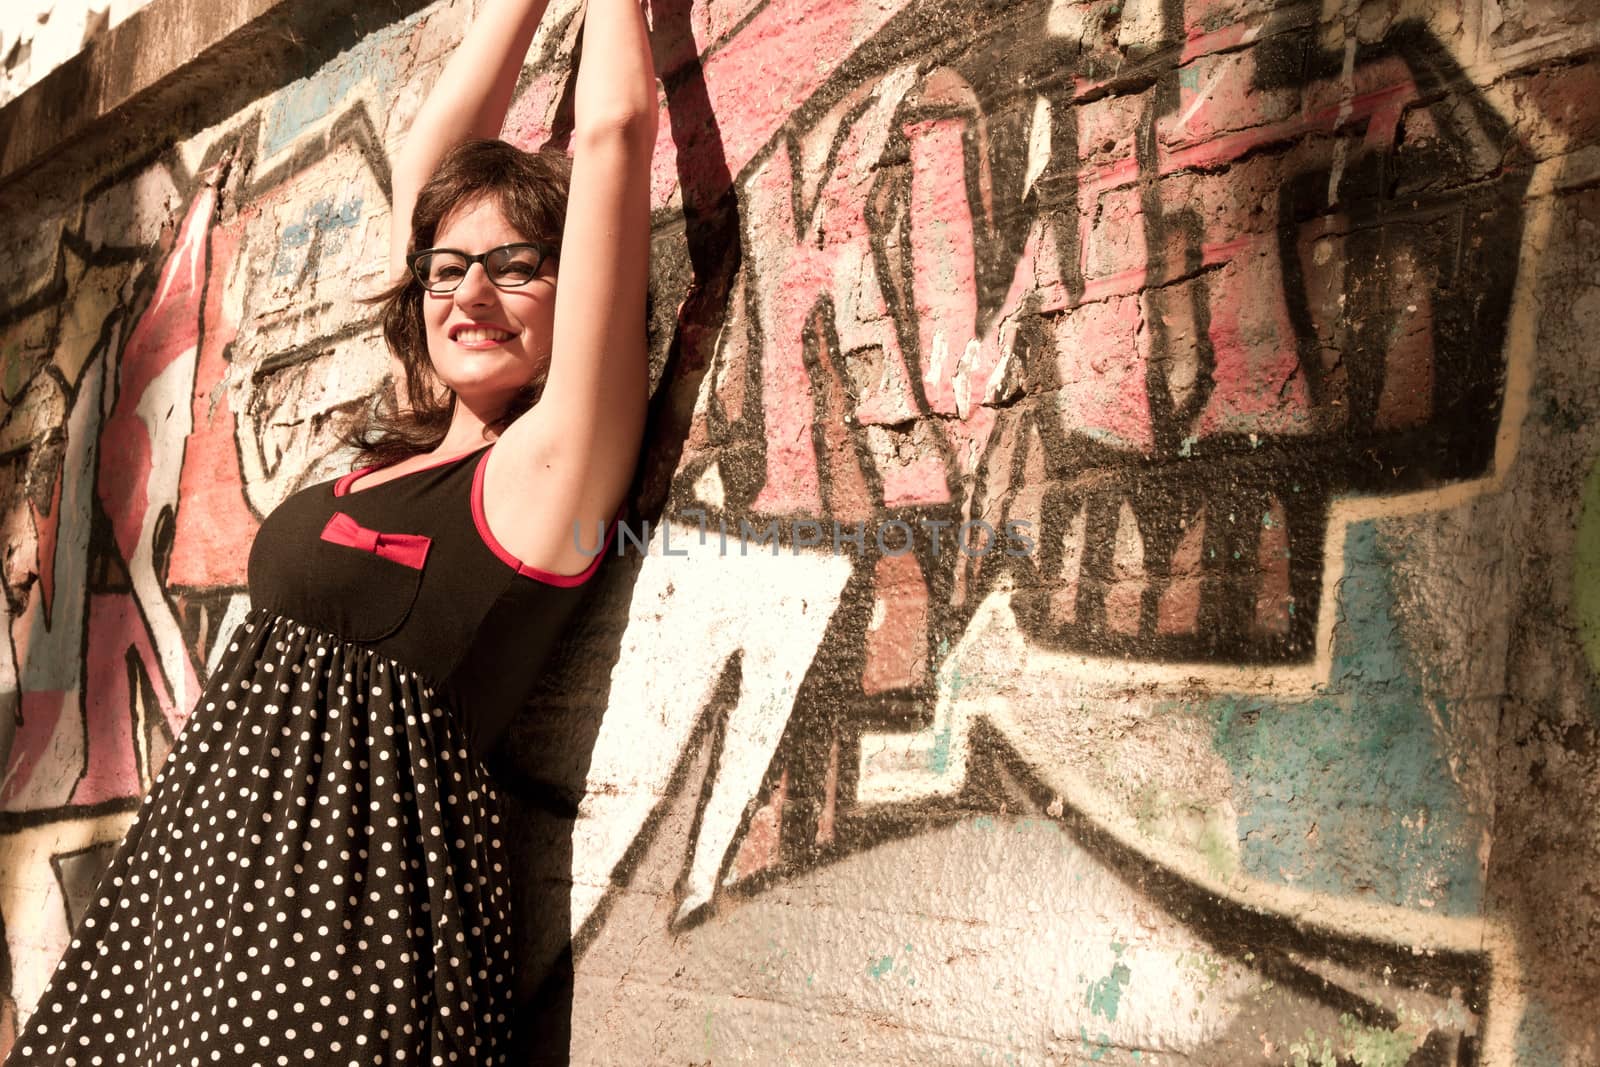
480	333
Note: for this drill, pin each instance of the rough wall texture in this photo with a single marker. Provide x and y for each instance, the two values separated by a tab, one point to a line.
1272	738
37	36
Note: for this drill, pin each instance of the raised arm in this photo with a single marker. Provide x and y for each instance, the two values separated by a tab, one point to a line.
570	459
468	101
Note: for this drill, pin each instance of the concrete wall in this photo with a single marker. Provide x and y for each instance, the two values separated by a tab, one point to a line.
1270	327
37	36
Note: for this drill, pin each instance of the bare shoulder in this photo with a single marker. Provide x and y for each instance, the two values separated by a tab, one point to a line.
544	495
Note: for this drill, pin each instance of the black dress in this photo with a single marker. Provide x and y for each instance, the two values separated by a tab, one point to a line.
317	874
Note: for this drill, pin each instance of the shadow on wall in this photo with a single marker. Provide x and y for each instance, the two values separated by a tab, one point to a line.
549	753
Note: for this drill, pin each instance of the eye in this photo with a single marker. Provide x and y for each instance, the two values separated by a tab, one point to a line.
517	270
518	264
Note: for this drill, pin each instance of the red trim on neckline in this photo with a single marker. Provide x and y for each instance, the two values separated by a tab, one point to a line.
548	577
342	486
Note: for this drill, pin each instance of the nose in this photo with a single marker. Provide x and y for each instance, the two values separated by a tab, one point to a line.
475	287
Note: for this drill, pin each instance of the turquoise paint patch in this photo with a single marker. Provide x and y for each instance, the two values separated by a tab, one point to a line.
1586	579
1307	1053
1098	1047
952	681
1105	995
880	967
1355	1043
1374	1046
1106	437
1538	1042
302	104
1348	793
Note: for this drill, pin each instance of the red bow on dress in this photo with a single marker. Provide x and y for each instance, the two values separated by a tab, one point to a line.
409	549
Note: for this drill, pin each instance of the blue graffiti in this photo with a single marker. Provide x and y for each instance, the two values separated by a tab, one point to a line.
323	219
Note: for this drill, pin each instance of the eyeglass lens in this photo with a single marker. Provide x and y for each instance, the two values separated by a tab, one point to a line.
508	267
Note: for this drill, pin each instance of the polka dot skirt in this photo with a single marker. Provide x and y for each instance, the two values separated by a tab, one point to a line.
316	876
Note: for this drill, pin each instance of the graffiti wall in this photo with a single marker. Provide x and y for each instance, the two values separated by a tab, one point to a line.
1117	574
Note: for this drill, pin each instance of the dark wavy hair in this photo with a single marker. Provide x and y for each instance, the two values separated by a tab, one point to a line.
531	189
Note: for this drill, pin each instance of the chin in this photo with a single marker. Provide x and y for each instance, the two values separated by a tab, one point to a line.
502	379
483	396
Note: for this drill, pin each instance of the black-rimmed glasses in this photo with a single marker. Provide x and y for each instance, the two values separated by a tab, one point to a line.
440	270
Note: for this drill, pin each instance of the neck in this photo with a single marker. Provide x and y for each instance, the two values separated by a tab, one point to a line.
466	431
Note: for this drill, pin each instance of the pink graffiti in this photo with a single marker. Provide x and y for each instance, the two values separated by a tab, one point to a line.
214	524
792	279
117	640
166	334
31	747
47	529
141	451
897	634
1104	349
754	80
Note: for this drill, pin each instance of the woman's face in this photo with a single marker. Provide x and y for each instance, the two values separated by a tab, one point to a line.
487	343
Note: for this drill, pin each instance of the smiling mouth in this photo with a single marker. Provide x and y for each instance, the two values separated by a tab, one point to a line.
480	334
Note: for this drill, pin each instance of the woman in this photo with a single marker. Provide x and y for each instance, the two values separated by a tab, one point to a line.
317	873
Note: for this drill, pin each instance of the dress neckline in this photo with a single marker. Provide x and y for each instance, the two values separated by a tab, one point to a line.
342	486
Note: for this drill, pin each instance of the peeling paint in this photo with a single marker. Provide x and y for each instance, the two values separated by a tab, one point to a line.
1106	994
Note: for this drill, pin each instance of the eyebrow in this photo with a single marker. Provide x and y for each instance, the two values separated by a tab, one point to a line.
542	245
